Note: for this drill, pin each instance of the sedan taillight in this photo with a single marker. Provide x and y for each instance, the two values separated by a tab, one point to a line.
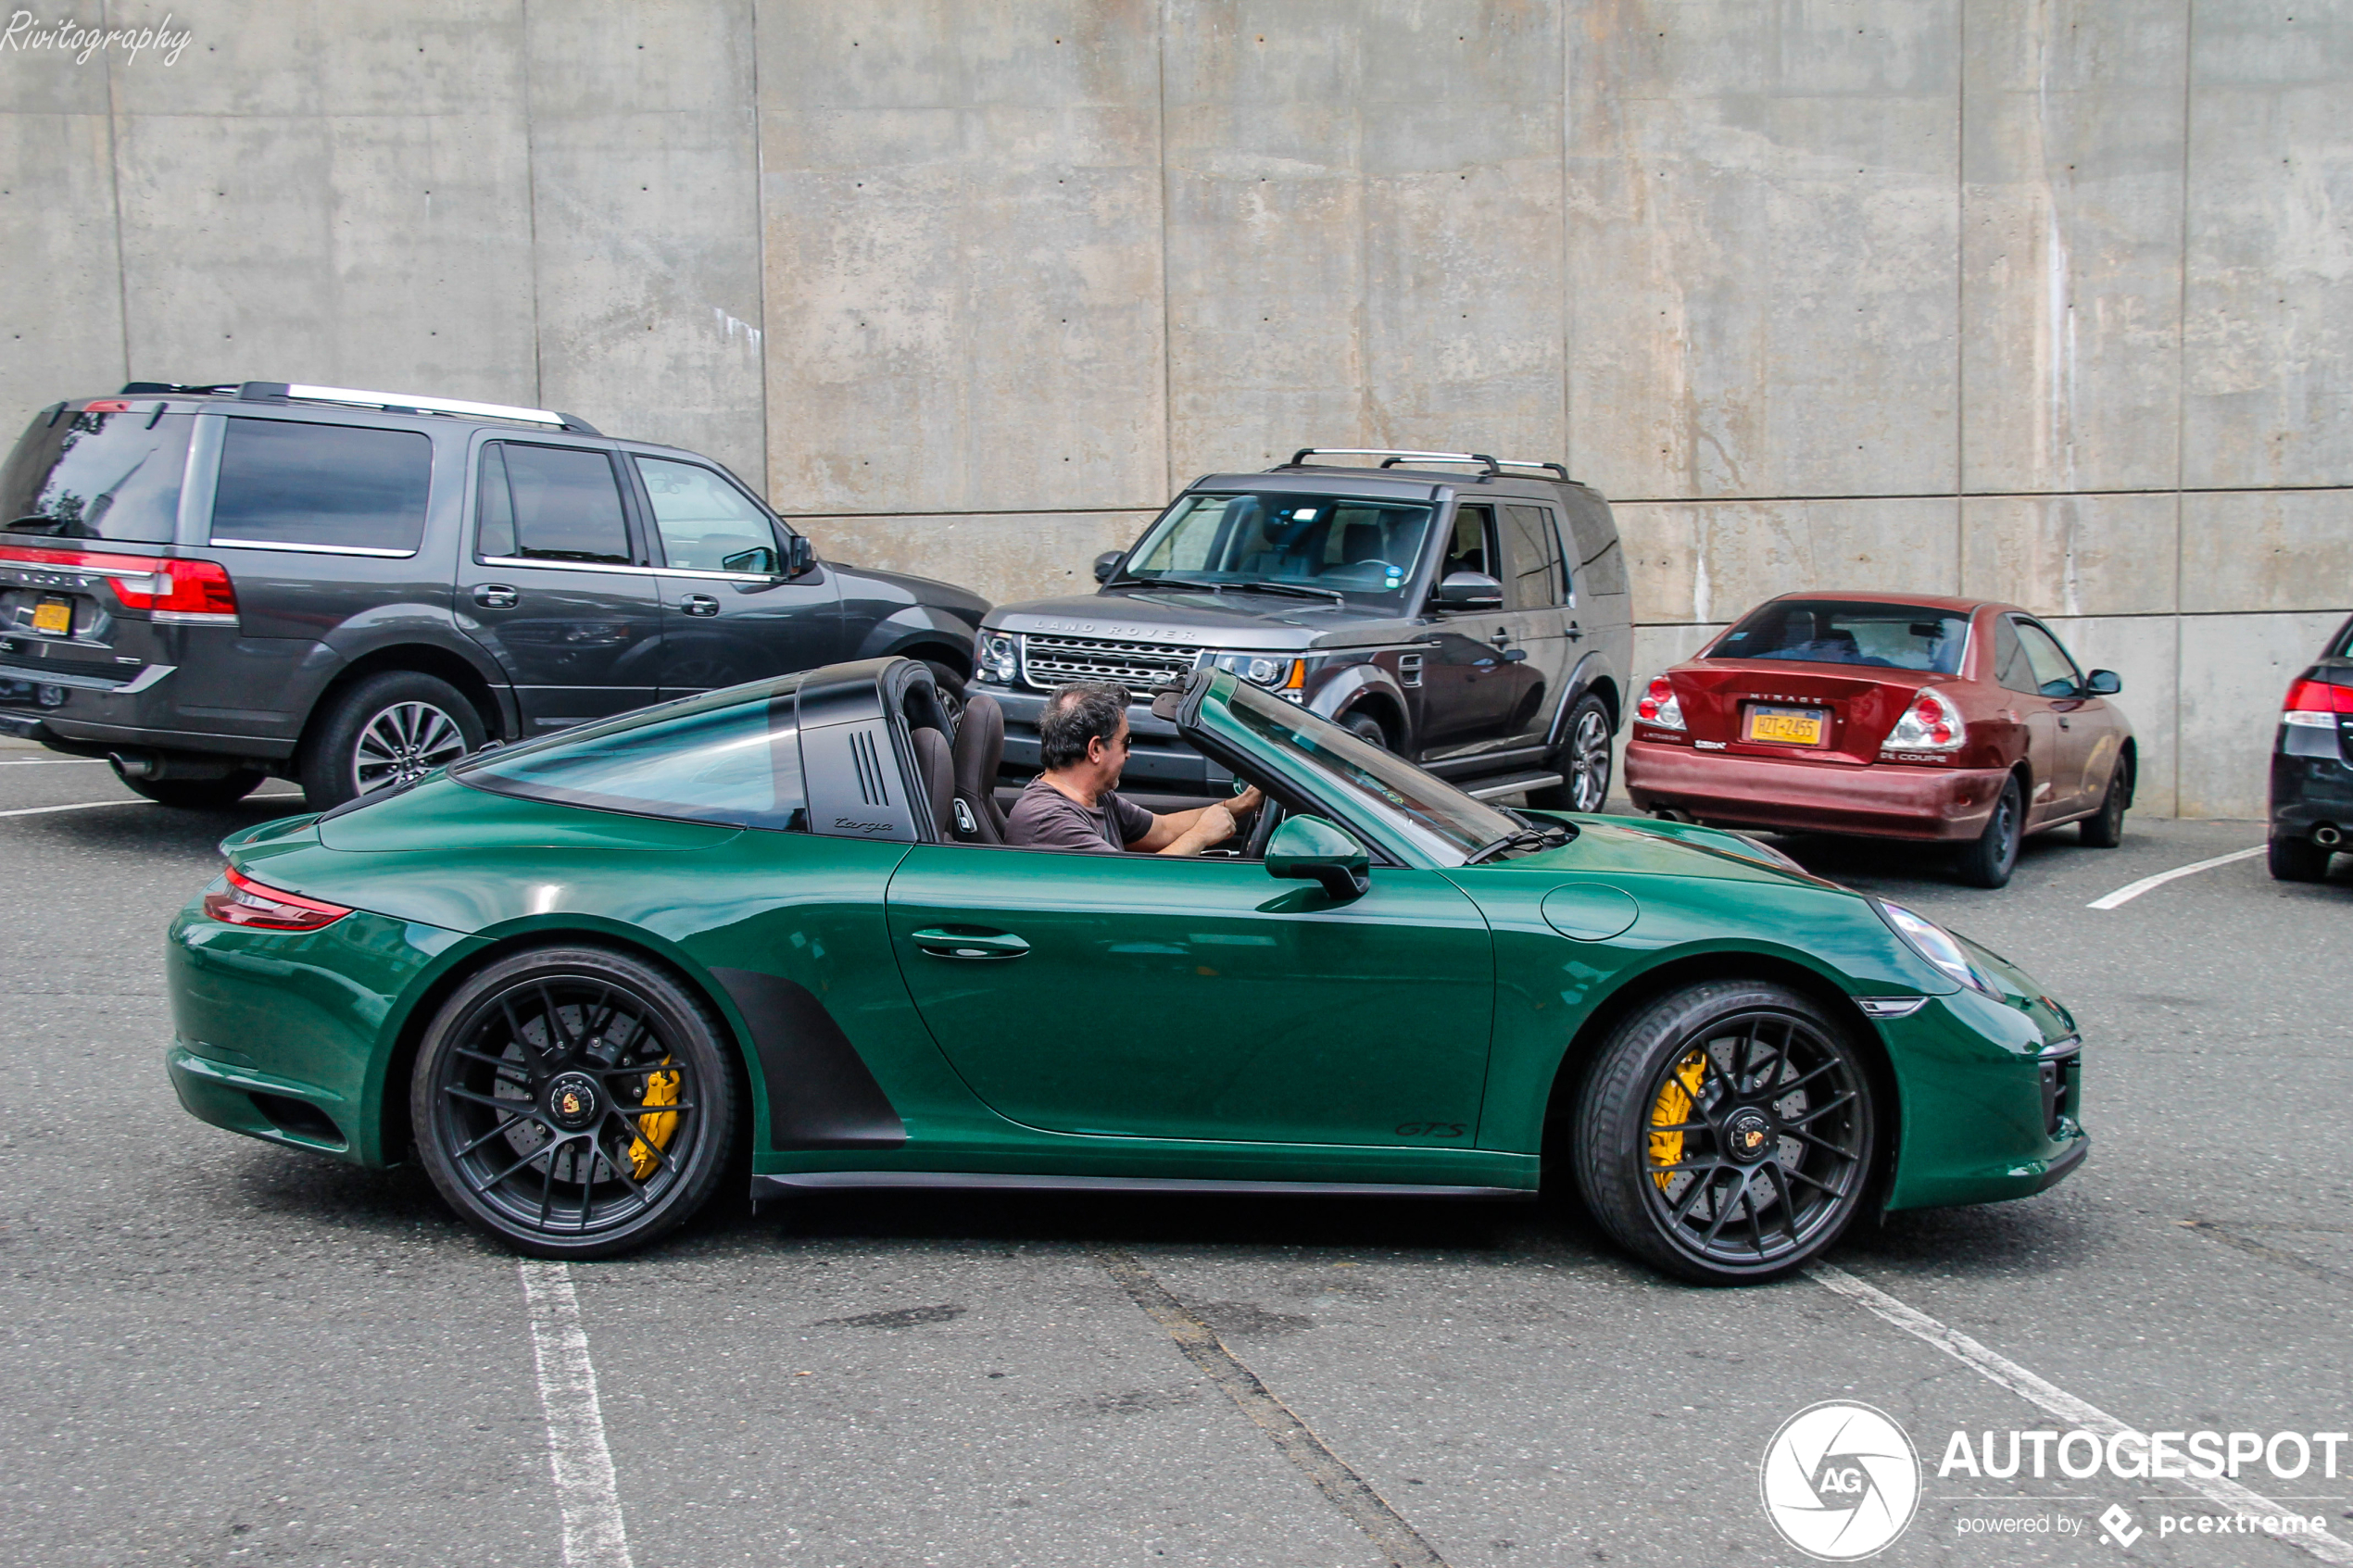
1660	708
1930	723
2316	703
247	902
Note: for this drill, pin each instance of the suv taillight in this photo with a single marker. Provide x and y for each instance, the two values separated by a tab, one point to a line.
191	592
2316	703
1660	708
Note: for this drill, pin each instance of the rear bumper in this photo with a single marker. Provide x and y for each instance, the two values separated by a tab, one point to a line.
1881	800
2311	783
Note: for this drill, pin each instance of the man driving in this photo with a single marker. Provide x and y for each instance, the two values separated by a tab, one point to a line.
1082	742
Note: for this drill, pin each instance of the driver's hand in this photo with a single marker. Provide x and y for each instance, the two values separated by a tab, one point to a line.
1249	800
1217	822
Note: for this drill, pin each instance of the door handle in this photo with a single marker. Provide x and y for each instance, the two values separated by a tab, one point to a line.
963	942
699	604
497	596
1573	634
2063	723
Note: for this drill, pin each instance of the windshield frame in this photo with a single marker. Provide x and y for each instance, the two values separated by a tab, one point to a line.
1400	833
1396	594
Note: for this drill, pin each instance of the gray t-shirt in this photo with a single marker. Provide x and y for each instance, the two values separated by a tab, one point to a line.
1044	818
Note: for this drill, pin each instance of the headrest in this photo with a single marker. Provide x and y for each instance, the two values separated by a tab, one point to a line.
938	769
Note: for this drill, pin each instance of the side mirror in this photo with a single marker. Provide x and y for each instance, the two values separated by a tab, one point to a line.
801	557
2104	683
1314	850
761	558
1107	563
1470	590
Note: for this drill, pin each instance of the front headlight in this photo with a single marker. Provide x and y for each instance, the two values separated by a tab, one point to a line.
1935	944
996	658
1271	670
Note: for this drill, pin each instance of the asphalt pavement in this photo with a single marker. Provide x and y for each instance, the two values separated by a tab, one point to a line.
221	1352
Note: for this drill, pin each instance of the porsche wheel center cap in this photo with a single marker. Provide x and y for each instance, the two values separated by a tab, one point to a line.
571	1100
1748	1137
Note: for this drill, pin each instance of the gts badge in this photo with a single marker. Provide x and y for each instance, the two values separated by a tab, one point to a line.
1431	1129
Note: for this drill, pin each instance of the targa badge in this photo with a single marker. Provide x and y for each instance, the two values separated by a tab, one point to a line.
1839	1480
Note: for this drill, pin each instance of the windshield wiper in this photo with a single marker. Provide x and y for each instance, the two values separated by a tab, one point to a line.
1299	590
1529	839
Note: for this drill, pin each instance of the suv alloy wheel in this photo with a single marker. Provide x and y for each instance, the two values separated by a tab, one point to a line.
388	729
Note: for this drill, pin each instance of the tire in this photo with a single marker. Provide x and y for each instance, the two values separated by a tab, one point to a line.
384	730
575	1169
951	688
2105	828
2298	859
1583	761
1988	859
1706	1061
1368	729
197	795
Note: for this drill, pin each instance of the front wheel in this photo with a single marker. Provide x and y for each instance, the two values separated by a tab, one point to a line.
1988	859
2105	828
1367	728
573	1102
1727	1132
1583	761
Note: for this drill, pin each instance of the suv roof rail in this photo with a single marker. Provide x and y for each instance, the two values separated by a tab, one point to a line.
172	389
401	402
1391	458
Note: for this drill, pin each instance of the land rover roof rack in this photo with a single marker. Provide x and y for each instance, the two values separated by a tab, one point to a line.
172	389
1390	458
404	403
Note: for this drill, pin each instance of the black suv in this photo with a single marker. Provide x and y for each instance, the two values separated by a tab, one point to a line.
209	584
1478	623
2312	767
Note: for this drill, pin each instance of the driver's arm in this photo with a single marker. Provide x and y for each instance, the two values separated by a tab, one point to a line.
1190	832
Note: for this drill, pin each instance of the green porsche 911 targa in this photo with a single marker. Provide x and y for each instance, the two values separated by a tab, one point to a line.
583	978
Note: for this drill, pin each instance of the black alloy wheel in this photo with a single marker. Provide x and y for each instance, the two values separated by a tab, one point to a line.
2296	860
573	1102
1583	761
386	730
1988	859
2103	829
1727	1132
197	793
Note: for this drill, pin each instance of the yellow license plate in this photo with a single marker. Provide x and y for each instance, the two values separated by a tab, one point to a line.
54	615
1787	726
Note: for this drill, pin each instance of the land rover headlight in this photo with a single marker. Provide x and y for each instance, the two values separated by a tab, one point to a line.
1272	671
997	657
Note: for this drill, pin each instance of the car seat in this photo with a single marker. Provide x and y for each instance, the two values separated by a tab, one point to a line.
936	764
979	749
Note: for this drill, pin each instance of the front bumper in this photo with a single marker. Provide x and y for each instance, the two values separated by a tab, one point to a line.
1991	1095
1882	800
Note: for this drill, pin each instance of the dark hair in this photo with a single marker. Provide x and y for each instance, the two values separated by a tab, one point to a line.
1076	714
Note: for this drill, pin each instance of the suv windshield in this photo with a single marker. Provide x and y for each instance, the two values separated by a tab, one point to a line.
1844	631
97	476
1447	823
1325	544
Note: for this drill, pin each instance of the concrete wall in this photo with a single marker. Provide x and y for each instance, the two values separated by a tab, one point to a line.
2046	299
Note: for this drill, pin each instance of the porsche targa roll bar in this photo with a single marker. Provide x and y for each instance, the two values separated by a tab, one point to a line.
1392	457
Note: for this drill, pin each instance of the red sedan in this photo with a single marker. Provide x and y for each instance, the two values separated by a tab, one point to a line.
1890	715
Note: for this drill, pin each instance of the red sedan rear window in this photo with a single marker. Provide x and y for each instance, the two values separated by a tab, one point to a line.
1849	632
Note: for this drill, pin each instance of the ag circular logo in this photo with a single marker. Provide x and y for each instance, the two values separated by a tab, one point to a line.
1839	1480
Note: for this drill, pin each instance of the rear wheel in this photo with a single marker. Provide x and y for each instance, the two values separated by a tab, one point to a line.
1988	860
2298	859
1583	761
2105	828
1727	1132
573	1102
388	729
197	793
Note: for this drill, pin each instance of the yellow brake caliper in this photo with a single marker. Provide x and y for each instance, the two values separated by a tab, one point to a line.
654	1131
1673	1108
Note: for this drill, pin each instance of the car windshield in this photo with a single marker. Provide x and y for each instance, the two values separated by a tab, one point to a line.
1320	546
1446	823
1849	632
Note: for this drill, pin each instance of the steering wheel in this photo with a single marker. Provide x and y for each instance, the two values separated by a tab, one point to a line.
1262	830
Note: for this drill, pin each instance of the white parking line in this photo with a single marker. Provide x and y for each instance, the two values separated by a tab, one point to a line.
2132	890
586	1491
53	762
2060	1403
93	805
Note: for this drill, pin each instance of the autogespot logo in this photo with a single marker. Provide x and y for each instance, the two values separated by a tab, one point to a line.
1839	1480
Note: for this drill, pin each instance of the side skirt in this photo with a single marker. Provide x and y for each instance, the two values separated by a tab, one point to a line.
799	1184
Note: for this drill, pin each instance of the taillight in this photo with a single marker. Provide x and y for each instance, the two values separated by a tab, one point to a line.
247	902
196	593
1660	708
2316	703
106	405
1929	723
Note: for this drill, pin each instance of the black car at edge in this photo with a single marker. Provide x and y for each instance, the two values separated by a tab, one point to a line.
2312	766
211	584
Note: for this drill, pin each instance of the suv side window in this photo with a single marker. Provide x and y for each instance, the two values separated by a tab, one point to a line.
1532	546
2054	674
704	521
338	487
550	503
1472	546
